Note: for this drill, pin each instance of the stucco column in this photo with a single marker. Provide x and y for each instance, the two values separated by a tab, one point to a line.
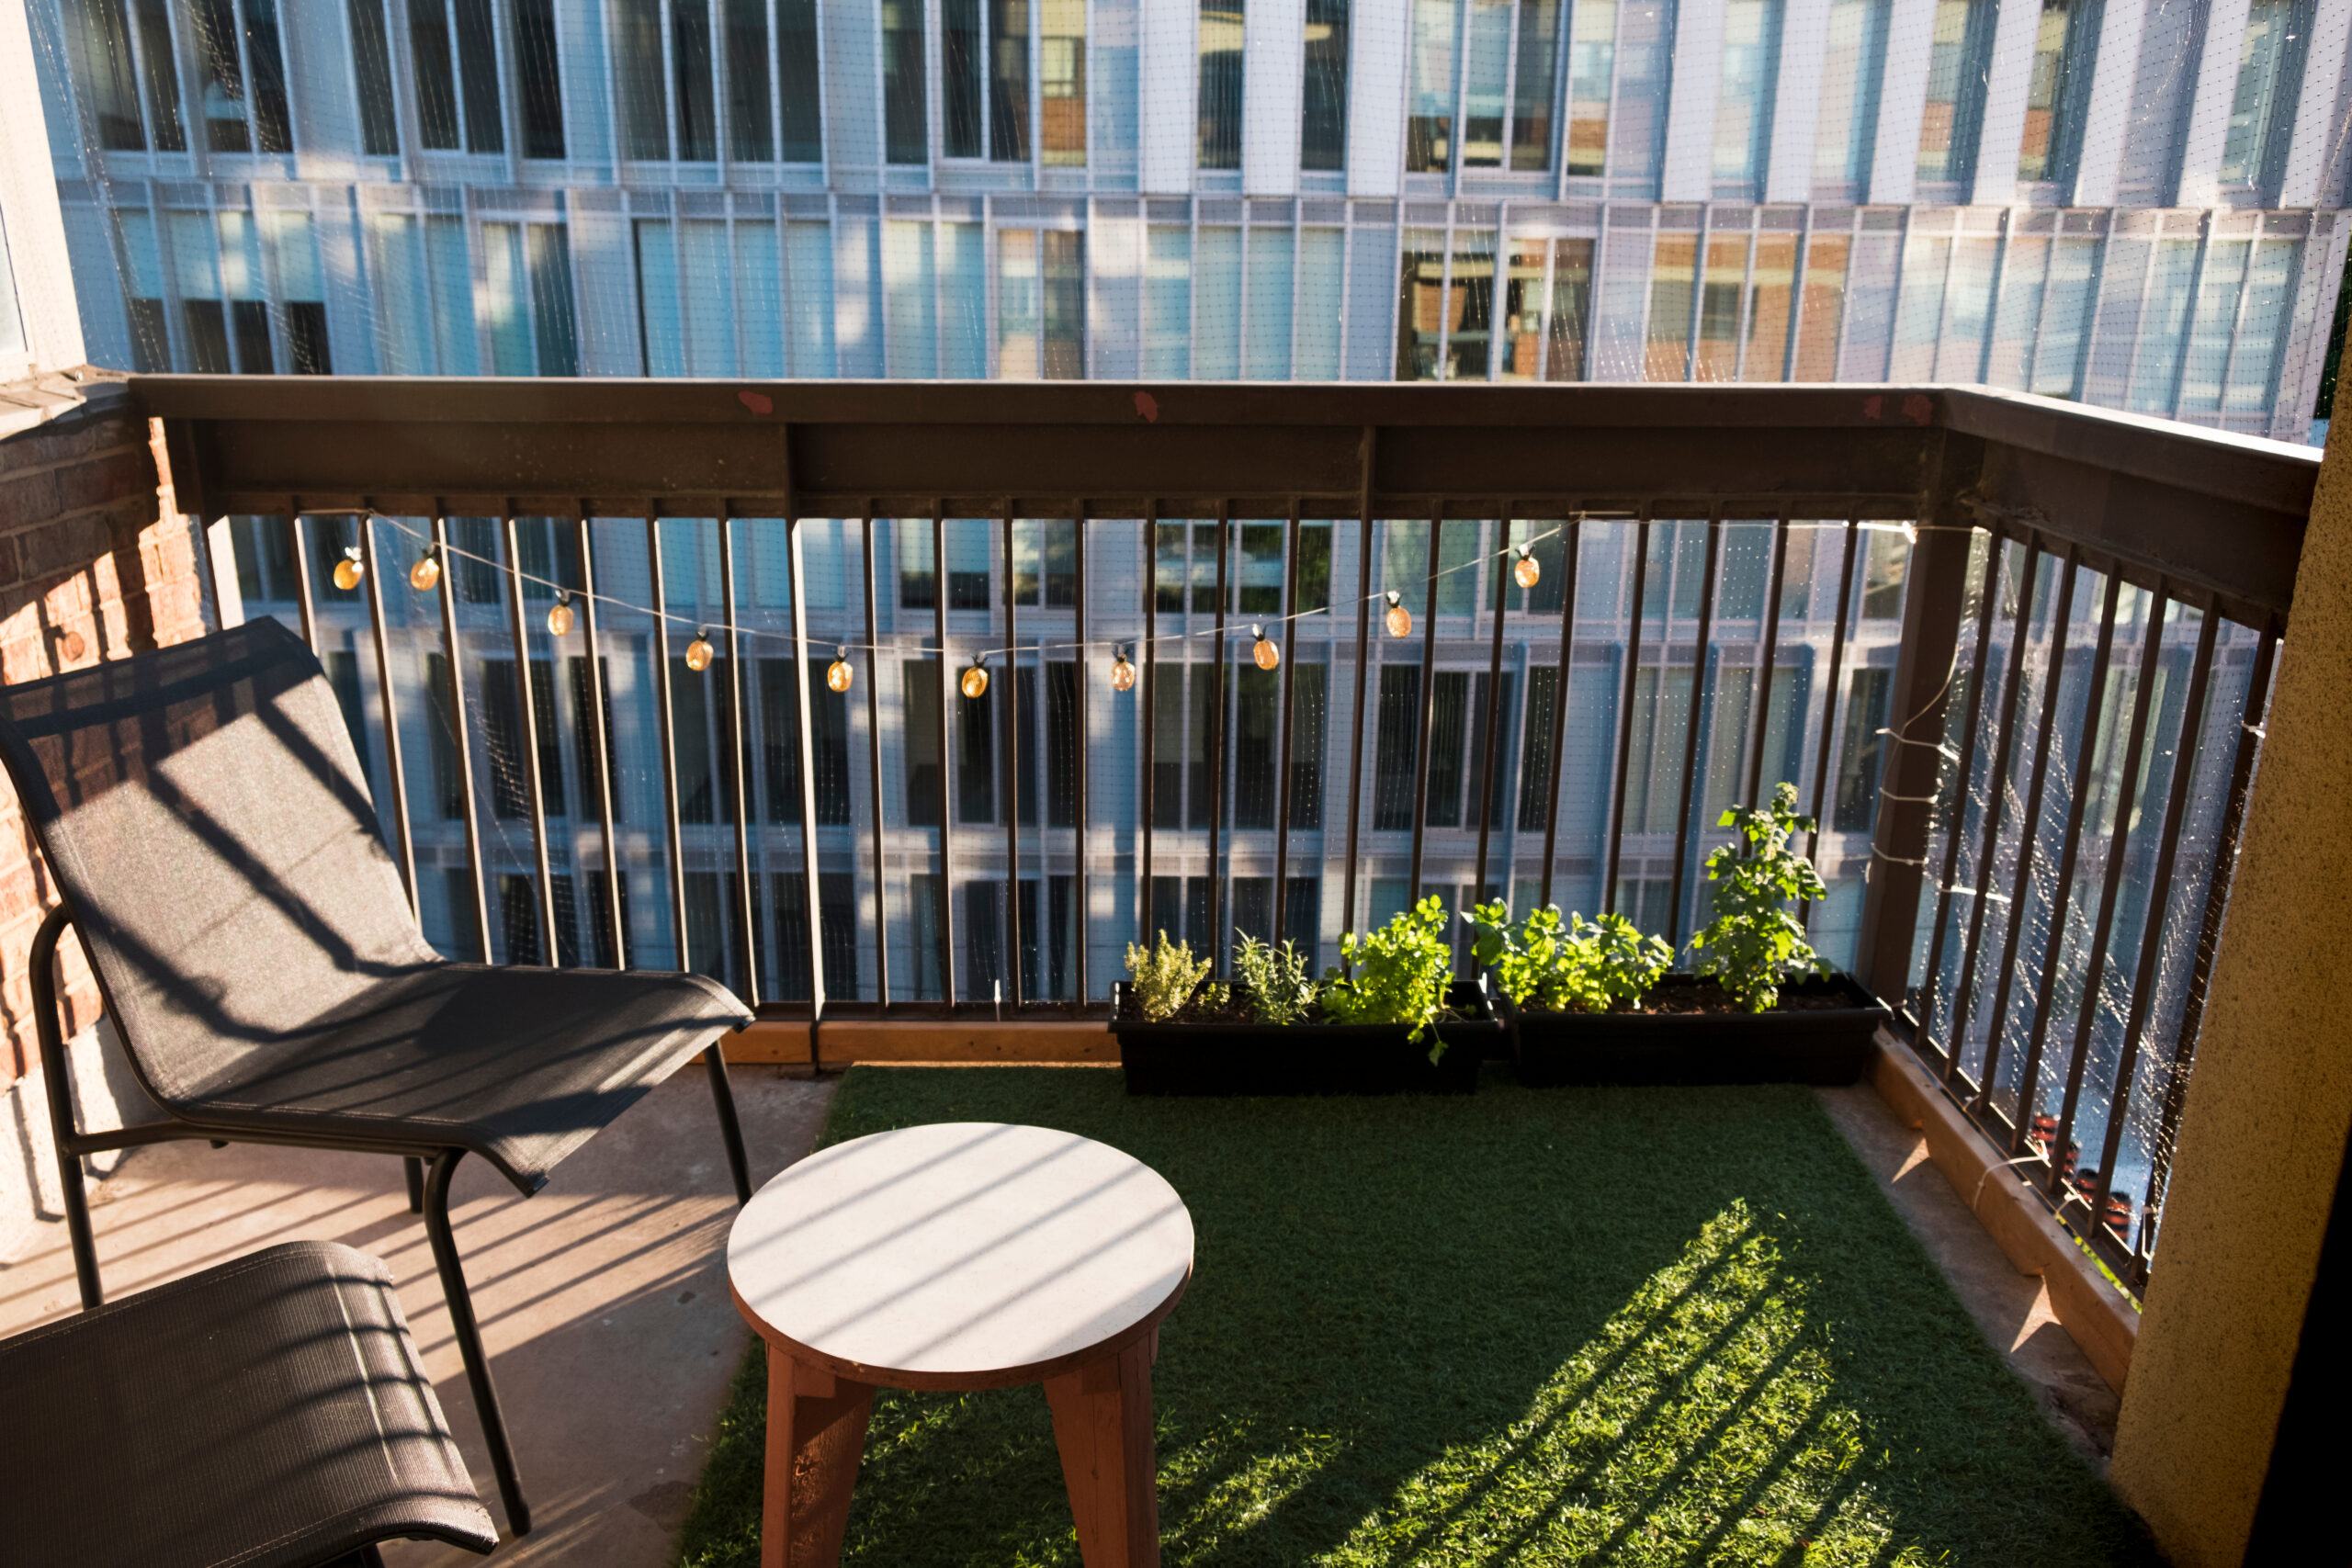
2263	1132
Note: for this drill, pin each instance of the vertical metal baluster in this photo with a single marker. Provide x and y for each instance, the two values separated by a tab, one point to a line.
1987	595
534	786
1283	721
302	597
1493	723
1011	776
1078	915
1761	726
747	900
1829	698
459	740
1145	916
2209	936
1625	718
2144	984
796	564
600	732
947	694
2069	851
1429	704
2029	828
666	710
1216	759
873	771
1572	555
404	841
2119	844
1364	653
1996	779
1691	730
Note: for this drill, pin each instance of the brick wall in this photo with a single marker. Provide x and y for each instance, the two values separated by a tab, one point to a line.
95	563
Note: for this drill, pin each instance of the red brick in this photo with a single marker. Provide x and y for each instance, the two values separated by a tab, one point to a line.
64	547
107	479
26	499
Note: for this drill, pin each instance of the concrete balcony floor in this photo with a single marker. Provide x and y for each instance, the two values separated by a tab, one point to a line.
604	1299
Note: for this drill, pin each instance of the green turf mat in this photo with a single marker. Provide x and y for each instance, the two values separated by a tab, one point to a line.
1652	1325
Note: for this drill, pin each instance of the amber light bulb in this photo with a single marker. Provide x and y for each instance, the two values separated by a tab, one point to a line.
1263	651
1123	674
976	682
1529	571
425	574
698	652
837	674
348	571
560	617
1401	619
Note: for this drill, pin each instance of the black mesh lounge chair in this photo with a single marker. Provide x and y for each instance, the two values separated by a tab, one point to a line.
215	846
268	1412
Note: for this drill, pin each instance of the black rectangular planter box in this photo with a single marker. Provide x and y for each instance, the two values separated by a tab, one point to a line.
1305	1058
1813	1046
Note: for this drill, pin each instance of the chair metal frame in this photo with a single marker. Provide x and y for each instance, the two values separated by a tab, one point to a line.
429	1169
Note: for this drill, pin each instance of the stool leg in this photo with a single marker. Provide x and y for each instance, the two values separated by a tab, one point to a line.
816	1436
1102	1426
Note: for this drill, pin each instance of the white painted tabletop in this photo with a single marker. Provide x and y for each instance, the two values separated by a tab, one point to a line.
960	1250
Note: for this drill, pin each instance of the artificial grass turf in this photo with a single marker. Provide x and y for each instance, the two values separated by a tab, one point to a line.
1545	1326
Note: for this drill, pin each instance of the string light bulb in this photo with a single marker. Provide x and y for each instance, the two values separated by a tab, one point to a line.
1263	651
348	571
1529	571
1401	619
426	573
976	681
560	617
1123	674
698	652
838	674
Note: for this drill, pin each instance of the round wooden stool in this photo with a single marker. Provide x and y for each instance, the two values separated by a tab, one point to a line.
961	1255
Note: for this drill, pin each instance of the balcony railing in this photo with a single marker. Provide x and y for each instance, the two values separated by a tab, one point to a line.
2013	653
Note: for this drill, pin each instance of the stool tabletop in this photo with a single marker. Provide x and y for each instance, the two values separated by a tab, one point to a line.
959	1254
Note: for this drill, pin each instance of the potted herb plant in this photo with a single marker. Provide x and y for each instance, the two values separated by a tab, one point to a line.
1391	1020
1593	1001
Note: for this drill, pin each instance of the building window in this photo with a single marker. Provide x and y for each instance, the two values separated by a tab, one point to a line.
904	130
372	71
2065	44
1041	304
526	305
1744	106
673	75
1592	52
2262	112
1959	53
242	72
116	59
539	73
986	80
1220	110
13	346
1446	306
1547	300
1428	107
457	85
1061	81
1044	563
1323	127
1508	68
1848	127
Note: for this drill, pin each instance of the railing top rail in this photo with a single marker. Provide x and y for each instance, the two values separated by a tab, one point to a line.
2212	513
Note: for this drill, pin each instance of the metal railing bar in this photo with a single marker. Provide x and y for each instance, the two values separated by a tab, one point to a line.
1500	565
1997	782
1691	730
2217	897
527	721
1012	765
1988	596
1078	701
301	543
947	694
2069	851
1220	659
2118	845
1762	725
1148	720
1830	697
1284	717
747	897
1425	730
1369	450
2144	984
2029	829
462	741
873	767
1642	525
796	566
404	841
1571	555
602	735
665	700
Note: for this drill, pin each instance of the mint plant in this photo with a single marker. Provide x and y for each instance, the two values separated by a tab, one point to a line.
1282	986
1755	943
1164	978
1571	965
1396	975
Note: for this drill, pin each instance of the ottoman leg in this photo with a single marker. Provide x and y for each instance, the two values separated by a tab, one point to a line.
816	1436
1102	1426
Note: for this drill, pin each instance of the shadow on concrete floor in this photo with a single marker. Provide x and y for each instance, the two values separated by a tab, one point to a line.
603	1298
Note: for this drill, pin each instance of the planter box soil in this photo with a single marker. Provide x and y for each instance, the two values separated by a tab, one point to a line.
1246	1057
1692	1033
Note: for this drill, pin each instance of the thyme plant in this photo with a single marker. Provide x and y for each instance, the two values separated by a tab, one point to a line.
1755	943
1164	978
